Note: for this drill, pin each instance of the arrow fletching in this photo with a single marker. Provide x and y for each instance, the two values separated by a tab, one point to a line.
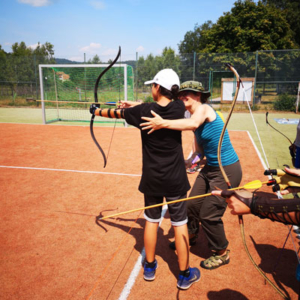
253	185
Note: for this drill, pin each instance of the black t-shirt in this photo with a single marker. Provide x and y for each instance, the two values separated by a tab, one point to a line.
164	171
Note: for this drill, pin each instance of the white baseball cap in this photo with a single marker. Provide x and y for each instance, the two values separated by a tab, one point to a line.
166	78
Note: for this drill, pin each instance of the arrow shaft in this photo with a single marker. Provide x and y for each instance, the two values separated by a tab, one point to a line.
247	186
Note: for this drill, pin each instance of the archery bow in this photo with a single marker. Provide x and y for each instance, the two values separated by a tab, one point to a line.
96	101
226	123
267	113
292	151
240	217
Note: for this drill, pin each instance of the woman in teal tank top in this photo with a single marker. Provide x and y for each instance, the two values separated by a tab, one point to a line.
207	126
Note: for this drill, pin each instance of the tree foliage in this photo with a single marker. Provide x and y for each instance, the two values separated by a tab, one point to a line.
147	68
291	11
21	65
242	36
235	38
195	41
95	60
248	27
285	102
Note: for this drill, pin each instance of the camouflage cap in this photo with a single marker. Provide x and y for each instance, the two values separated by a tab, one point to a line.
194	86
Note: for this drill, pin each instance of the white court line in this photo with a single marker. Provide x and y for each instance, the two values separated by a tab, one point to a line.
257	151
137	267
74	171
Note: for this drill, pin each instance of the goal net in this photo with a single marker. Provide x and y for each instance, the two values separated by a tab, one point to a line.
67	91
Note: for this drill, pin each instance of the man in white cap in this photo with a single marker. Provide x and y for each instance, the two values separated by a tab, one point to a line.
164	174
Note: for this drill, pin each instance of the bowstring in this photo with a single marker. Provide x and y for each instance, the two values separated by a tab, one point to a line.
266	164
119	86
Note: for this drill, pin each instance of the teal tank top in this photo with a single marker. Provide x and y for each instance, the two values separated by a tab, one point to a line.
208	135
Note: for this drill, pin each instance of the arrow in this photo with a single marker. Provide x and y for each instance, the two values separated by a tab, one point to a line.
253	185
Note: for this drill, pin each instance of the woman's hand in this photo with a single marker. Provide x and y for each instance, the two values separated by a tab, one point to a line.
292	171
127	104
289	190
234	203
152	123
295	172
188	162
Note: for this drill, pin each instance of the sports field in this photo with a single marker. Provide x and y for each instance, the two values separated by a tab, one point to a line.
53	186
274	144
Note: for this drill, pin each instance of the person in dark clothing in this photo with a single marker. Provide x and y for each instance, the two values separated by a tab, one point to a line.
163	172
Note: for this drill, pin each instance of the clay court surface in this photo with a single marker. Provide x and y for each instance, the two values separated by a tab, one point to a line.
53	186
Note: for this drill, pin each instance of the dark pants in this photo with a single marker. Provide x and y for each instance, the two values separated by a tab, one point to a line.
297	158
177	211
209	210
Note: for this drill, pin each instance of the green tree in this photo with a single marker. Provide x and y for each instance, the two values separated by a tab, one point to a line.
44	54
196	40
291	11
46	51
95	60
21	66
249	27
3	64
142	73
22	62
168	59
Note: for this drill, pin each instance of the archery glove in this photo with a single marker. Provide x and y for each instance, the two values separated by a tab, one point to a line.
244	196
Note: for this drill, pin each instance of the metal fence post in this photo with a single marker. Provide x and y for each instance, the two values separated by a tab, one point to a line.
255	76
136	75
194	66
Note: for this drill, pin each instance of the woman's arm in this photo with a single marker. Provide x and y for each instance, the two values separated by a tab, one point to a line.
157	122
243	202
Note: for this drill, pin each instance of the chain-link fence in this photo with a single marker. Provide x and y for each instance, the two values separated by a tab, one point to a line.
274	73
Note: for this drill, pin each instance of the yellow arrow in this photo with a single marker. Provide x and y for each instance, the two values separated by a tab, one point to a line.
253	185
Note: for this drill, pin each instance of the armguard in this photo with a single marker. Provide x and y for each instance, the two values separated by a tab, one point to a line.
277	209
274	209
117	113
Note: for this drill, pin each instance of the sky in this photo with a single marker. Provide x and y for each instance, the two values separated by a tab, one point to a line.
80	29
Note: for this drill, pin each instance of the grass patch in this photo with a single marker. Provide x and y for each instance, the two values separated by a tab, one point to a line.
275	145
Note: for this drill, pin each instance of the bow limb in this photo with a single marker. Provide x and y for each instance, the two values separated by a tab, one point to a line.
291	148
267	113
232	69
96	101
226	123
241	220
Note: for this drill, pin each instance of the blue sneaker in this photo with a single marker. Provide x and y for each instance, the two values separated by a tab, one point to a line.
149	273
184	283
